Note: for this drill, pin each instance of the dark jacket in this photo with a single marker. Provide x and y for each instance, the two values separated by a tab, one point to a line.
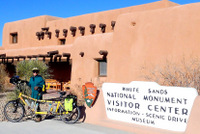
36	81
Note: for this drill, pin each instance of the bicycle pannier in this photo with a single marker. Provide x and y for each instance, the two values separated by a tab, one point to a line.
69	104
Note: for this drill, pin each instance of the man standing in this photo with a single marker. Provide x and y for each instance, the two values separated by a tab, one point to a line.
36	83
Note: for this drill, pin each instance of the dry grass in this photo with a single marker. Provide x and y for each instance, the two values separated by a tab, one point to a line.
3	77
79	93
186	73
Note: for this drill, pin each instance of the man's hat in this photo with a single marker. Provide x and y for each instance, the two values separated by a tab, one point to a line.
35	69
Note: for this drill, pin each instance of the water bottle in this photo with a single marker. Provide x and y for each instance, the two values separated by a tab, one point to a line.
32	105
54	108
36	106
27	102
49	107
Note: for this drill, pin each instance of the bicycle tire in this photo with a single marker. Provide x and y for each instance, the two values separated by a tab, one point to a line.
72	117
14	111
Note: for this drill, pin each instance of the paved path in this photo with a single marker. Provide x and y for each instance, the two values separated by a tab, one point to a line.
54	127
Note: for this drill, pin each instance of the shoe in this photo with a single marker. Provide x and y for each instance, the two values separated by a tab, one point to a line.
38	118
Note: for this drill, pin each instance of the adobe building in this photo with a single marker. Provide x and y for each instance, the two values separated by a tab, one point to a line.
109	46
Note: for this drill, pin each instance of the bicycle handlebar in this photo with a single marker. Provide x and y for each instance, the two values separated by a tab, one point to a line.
16	81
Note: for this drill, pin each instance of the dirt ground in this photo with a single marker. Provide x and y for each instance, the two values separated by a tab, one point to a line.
3	101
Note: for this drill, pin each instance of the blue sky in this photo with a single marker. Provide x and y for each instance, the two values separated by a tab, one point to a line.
13	10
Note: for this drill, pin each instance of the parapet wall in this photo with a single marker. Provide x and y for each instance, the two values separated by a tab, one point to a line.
28	28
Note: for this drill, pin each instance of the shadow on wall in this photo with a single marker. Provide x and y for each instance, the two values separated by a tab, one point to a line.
83	114
98	92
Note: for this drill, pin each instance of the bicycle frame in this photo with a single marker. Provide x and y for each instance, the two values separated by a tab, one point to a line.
42	101
27	106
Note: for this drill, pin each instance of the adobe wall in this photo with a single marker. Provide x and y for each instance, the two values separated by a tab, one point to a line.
147	38
27	28
96	18
37	50
85	69
193	123
157	35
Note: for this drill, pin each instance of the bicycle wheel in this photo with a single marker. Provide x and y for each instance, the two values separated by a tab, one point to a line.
72	116
14	111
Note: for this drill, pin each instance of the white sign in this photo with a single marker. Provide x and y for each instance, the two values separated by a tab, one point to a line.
149	104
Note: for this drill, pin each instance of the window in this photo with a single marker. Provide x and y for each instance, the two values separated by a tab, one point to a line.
62	41
102	67
14	38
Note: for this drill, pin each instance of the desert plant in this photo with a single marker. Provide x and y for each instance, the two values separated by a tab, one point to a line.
24	69
183	74
3	75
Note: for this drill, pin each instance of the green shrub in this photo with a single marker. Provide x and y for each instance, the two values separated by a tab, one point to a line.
24	69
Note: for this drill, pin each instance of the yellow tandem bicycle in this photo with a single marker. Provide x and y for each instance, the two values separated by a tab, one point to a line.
15	110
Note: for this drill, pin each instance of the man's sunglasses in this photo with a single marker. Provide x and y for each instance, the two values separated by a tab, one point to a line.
35	71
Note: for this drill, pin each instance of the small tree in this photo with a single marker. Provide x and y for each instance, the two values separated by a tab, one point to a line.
24	69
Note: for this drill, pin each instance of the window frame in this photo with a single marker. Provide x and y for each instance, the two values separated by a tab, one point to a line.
14	38
99	67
